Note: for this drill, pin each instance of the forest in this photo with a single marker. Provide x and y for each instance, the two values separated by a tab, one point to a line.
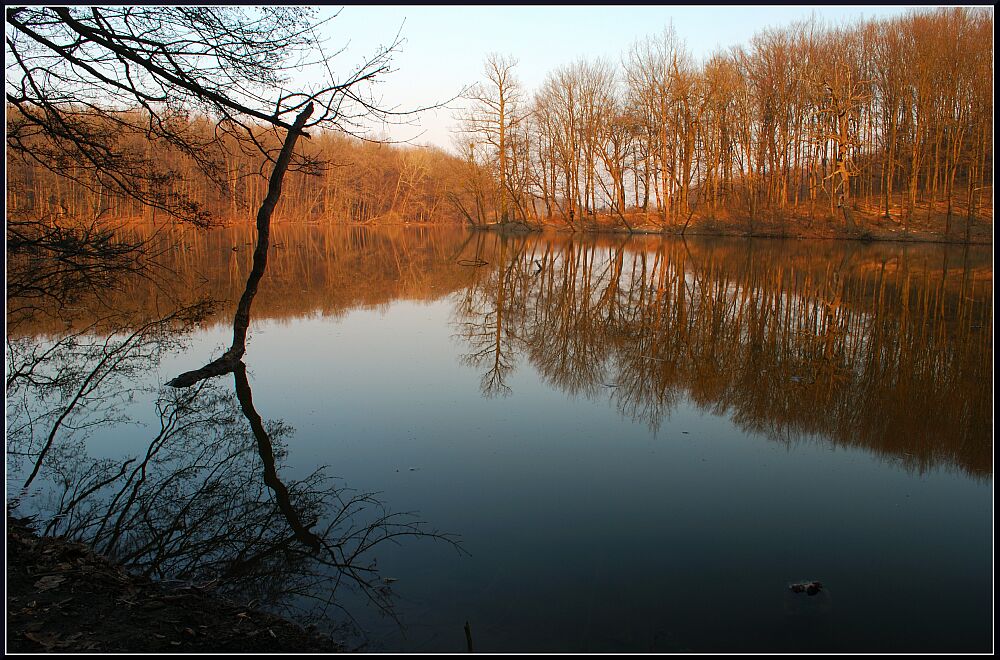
346	179
887	119
880	123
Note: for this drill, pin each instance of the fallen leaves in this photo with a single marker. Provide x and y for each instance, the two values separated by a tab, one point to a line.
49	582
62	597
53	641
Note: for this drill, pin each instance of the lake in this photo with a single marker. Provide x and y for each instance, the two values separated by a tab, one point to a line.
571	443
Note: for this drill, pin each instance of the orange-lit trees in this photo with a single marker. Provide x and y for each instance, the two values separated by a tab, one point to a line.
497	109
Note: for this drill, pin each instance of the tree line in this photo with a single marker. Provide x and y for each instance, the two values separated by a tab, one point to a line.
880	120
336	177
179	112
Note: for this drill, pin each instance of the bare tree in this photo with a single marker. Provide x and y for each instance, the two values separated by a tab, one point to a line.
841	92
89	89
651	76
85	80
496	112
858	113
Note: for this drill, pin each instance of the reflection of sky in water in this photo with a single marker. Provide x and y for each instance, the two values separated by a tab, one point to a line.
587	530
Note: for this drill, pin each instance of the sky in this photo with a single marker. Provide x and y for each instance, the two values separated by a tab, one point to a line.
444	47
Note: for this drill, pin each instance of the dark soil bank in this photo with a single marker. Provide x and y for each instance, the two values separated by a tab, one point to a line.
62	597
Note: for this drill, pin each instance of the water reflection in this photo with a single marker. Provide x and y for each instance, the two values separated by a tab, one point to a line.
879	347
886	348
311	270
61	390
204	502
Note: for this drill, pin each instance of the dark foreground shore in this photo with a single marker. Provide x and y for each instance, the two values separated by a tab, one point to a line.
62	597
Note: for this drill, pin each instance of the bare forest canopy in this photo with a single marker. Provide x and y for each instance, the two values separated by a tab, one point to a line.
875	346
179	112
883	122
344	179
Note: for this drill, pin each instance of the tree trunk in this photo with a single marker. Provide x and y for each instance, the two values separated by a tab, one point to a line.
241	321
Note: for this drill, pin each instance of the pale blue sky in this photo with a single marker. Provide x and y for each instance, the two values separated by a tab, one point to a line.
445	46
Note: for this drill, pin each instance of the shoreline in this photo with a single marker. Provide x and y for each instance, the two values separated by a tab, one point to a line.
869	230
64	597
521	229
866	235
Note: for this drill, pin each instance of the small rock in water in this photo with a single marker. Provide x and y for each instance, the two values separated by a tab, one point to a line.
810	588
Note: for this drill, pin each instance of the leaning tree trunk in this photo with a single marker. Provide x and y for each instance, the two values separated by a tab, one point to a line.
241	321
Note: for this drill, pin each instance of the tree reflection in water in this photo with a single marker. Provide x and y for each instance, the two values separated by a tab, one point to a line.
204	503
878	347
882	347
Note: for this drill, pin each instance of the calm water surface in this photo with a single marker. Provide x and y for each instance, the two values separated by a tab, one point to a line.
639	443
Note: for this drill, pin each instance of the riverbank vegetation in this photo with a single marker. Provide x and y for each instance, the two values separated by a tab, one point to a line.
884	121
338	177
881	128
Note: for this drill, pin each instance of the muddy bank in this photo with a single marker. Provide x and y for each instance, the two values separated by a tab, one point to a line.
62	597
